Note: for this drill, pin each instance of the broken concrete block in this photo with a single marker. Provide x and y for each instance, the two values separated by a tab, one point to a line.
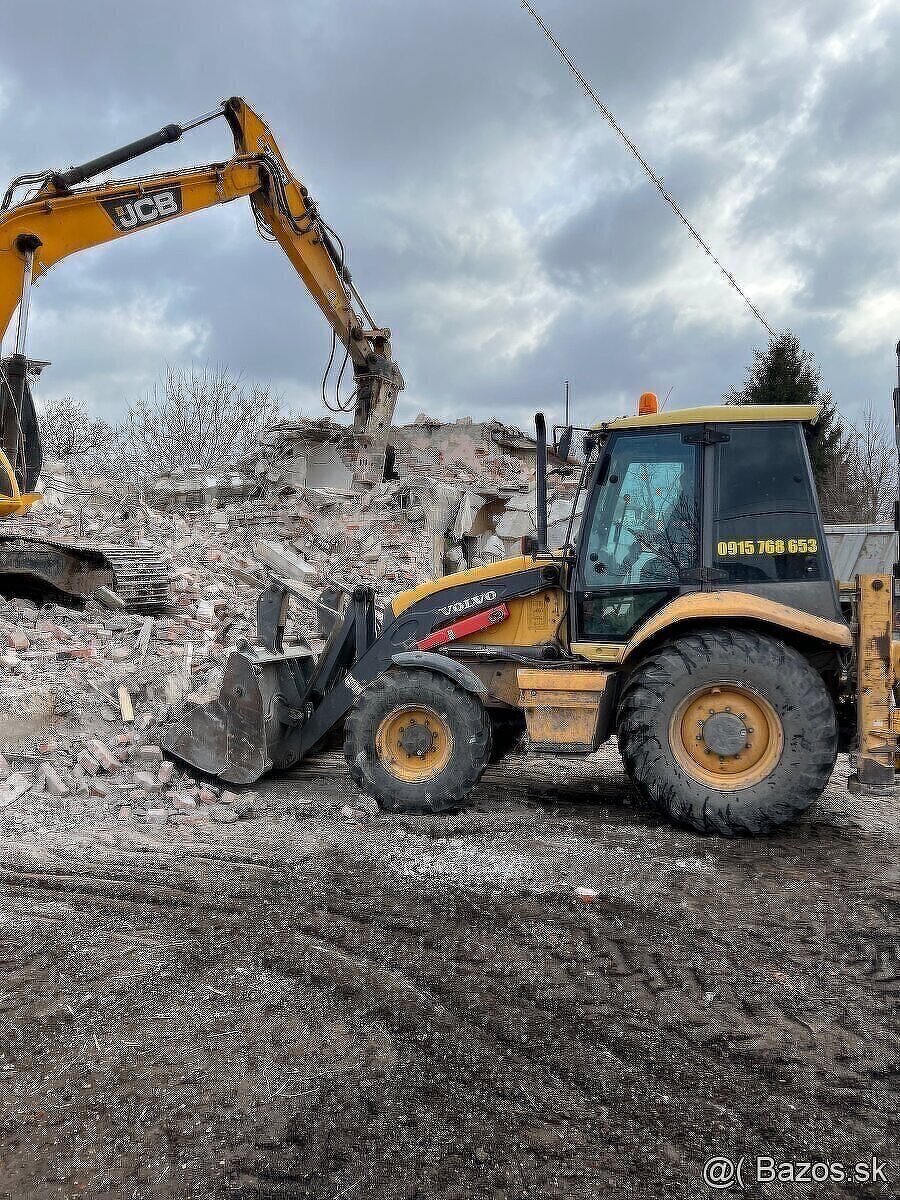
103	756
52	781
144	636
222	814
118	653
125	706
245	804
17	785
17	640
87	763
146	781
150	753
108	598
174	689
166	771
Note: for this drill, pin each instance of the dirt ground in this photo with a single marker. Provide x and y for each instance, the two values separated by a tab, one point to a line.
311	1004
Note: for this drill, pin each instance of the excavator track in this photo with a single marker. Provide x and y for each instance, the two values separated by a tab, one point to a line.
139	575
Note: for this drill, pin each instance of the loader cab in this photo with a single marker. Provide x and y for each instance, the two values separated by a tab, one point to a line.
701	500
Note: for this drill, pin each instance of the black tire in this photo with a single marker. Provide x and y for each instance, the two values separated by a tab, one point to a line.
464	716
664	684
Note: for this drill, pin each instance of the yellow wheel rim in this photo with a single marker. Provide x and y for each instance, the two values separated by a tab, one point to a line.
414	743
726	736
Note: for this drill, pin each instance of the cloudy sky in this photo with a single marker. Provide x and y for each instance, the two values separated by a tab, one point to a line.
493	219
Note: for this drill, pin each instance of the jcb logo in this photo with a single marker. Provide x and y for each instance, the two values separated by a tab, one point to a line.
132	210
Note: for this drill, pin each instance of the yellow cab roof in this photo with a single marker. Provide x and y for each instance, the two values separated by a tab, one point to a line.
716	414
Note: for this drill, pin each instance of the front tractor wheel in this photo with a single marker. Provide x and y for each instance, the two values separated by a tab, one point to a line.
416	742
728	731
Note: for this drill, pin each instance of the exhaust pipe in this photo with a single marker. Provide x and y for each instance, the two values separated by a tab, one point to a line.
540	427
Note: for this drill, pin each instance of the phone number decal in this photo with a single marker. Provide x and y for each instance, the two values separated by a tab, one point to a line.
751	546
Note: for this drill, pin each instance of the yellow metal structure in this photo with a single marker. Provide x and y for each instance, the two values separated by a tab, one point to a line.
67	222
532	621
507	566
55	221
565	711
716	414
761	745
13	503
877	724
719	607
414	743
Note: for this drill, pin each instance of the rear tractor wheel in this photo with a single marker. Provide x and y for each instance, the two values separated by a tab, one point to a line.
728	731
416	742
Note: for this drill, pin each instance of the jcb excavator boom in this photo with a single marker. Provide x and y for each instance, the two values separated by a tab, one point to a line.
56	217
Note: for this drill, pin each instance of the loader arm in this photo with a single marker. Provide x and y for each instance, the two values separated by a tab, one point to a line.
58	218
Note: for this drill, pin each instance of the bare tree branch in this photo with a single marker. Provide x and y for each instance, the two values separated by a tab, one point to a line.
861	487
193	417
69	433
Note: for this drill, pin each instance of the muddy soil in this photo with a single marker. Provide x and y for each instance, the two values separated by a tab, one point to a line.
315	1004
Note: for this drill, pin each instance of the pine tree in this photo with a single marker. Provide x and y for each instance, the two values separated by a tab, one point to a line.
785	373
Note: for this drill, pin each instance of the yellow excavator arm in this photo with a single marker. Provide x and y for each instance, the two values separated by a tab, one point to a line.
58	216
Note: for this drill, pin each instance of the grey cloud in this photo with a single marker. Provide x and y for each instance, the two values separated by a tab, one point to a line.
469	175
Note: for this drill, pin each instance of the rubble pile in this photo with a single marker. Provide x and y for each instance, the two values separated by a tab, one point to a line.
442	507
85	694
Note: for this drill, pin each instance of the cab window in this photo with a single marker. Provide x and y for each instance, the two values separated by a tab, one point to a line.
767	527
644	526
642	540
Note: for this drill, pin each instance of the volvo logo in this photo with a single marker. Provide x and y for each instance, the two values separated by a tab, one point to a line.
462	606
133	210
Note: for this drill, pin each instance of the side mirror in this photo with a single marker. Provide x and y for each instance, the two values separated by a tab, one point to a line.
564	445
529	546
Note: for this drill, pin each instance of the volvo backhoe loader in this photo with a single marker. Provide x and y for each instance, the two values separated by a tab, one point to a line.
695	615
49	215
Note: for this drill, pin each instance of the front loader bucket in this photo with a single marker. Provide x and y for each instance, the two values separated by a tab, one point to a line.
275	705
227	737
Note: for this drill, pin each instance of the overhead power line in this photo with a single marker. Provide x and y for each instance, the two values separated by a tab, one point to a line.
655	179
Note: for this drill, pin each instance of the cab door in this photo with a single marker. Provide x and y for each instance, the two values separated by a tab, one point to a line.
767	532
640	542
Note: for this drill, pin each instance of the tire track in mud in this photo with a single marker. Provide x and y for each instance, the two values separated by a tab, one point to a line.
457	1038
747	1037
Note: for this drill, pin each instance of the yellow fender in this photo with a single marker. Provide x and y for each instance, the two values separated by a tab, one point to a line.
720	607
